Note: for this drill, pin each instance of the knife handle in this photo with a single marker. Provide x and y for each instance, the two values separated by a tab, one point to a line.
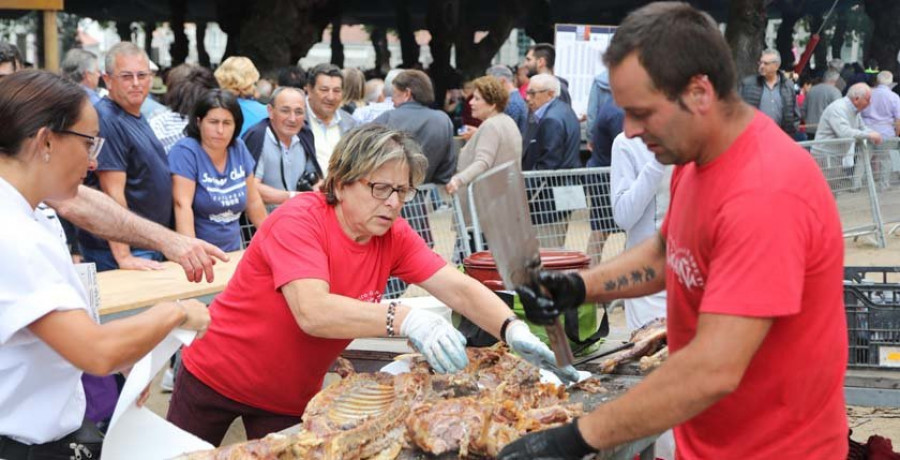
559	344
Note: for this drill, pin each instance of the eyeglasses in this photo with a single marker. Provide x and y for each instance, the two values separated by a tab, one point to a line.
96	143
383	191
127	77
286	111
532	92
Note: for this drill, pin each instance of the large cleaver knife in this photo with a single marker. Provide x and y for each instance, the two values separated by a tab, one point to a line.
502	208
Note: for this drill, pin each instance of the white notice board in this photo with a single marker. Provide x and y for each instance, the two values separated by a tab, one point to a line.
579	57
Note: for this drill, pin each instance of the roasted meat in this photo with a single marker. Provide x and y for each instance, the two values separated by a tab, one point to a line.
497	399
655	360
647	340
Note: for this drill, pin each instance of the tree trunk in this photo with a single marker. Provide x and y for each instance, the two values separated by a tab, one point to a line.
746	33
180	46
441	18
473	59
39	43
230	14
784	40
123	28
148	37
275	33
337	47
409	49
382	53
202	55
312	19
840	32
885	40
539	21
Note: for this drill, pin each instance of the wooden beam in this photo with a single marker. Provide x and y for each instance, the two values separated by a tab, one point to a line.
51	42
43	5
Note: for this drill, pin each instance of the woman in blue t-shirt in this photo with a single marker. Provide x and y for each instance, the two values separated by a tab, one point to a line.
212	174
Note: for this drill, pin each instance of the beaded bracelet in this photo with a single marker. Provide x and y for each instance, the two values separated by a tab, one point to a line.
505	325
389	321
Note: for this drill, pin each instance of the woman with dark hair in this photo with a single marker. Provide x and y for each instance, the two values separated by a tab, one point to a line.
186	83
212	174
48	333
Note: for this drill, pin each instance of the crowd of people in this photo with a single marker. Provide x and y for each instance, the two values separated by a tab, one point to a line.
208	152
137	181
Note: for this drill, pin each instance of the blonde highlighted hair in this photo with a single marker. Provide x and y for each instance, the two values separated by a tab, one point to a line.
238	75
363	150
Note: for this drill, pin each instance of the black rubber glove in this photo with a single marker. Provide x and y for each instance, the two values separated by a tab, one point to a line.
550	294
564	442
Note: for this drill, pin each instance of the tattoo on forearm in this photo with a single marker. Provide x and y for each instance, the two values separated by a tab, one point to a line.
646	275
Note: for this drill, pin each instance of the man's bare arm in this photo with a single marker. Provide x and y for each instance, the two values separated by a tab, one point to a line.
693	379
638	272
97	213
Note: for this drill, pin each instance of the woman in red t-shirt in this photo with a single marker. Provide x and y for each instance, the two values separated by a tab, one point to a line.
312	280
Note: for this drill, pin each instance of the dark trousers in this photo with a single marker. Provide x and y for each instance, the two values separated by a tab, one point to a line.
84	443
203	412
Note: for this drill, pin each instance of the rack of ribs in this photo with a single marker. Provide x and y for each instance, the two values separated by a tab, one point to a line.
494	401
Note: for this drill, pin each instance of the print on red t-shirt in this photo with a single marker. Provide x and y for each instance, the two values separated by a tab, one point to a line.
756	233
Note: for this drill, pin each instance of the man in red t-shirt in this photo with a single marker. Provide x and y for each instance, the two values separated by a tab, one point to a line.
752	254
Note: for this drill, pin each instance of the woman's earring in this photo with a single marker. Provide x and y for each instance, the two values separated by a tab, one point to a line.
47	157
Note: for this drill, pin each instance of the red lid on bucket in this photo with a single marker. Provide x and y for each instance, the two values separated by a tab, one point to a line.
552	259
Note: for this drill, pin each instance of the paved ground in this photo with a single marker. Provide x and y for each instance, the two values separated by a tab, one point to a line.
865	421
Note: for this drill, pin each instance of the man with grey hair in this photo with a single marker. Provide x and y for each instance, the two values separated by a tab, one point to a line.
412	95
374	90
772	92
883	116
820	96
81	67
554	145
284	149
132	167
515	108
372	111
842	120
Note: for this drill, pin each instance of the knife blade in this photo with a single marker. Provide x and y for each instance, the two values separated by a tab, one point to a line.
502	207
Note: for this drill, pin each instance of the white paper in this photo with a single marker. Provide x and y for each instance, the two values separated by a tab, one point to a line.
138	433
87	272
569	198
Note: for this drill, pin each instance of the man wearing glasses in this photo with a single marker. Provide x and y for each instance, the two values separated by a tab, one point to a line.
284	148
553	145
132	166
772	92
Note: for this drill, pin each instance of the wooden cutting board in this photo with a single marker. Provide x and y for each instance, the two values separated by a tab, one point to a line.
126	290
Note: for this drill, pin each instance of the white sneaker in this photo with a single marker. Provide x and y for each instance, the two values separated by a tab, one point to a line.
167	384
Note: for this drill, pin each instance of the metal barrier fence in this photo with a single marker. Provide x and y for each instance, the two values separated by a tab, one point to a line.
885	169
570	209
848	166
433	214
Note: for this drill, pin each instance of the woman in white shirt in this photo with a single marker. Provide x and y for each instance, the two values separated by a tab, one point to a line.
48	337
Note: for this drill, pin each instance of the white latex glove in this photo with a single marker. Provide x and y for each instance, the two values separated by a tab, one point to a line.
442	345
530	348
